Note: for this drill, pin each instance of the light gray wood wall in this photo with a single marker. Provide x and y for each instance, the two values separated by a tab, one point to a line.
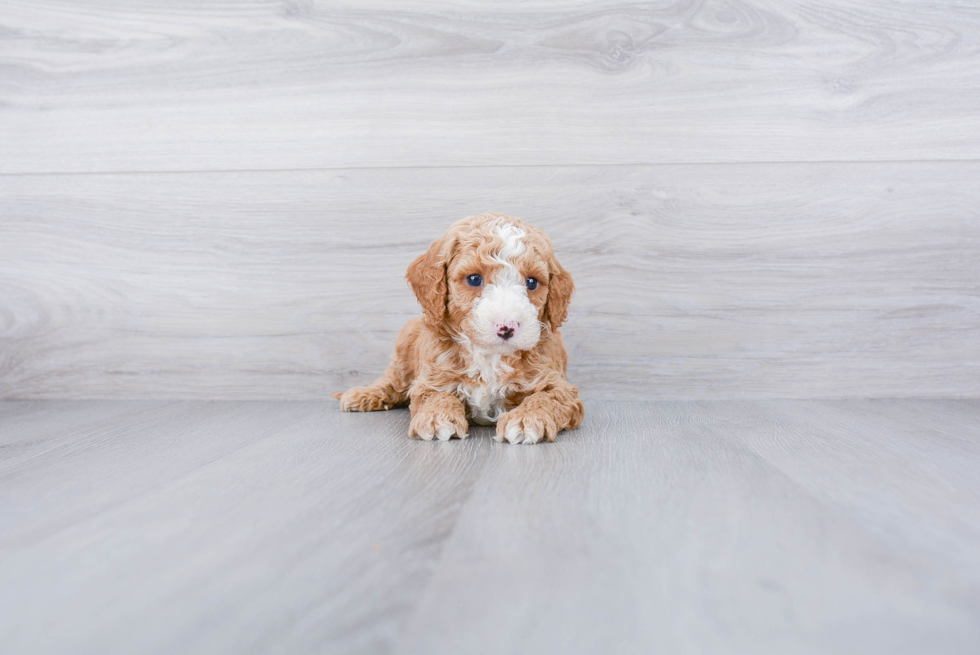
203	199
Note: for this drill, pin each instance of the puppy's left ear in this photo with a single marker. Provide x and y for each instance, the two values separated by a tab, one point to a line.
560	288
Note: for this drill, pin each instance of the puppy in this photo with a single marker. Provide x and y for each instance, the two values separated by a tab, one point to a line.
487	348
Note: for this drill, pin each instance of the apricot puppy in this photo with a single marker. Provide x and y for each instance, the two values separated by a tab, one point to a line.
487	348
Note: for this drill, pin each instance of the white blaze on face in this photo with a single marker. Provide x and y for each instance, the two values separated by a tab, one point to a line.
504	302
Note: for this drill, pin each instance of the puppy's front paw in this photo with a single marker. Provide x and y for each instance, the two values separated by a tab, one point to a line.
364	399
429	425
528	427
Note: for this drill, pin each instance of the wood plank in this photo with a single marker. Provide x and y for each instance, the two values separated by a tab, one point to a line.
797	526
228	528
103	86
905	471
57	478
721	527
808	280
31	427
35	417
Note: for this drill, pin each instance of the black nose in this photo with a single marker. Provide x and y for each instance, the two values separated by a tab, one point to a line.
505	332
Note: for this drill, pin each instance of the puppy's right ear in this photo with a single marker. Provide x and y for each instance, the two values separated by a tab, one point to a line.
427	275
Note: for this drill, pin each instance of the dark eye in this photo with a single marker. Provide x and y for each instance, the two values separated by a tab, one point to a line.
532	283
474	280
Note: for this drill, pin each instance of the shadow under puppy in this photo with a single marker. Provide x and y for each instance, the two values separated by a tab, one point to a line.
488	346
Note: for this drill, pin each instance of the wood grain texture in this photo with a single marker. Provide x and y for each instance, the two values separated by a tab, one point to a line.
673	526
721	528
98	85
765	280
224	528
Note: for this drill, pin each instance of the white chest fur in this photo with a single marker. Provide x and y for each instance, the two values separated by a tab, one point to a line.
484	396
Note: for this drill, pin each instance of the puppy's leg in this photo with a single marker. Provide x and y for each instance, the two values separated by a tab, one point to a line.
437	415
377	396
542	415
391	389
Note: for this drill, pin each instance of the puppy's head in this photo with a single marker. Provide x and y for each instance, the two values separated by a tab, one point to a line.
494	280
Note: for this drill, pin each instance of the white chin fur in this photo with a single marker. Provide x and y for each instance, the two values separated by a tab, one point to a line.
500	304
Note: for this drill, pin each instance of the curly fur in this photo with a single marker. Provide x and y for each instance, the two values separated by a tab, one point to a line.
454	365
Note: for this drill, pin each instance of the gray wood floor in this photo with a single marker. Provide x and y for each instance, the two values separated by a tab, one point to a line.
726	526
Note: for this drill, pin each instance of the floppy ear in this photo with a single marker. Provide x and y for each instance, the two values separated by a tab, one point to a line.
560	288
427	275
